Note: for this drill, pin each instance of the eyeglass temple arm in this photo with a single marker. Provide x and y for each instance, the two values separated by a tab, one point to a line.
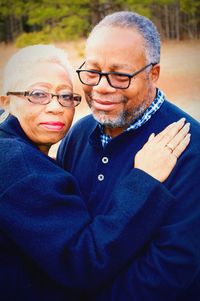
137	72
18	93
81	65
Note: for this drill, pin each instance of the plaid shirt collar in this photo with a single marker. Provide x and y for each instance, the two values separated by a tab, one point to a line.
155	105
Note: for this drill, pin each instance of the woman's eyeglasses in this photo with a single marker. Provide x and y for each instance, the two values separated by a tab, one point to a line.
43	97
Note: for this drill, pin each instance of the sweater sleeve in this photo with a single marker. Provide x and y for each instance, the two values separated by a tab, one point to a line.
170	262
43	214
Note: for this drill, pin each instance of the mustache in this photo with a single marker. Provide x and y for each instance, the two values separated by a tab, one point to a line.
108	97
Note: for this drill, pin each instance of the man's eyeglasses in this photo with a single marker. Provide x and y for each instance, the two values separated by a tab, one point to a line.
43	97
116	80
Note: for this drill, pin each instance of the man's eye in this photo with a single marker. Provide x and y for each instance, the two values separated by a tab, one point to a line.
91	74
120	78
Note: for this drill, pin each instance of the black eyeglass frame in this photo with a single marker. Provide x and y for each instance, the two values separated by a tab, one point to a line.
28	93
106	74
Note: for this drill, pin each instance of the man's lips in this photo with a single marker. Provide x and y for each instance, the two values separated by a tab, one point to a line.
51	125
104	104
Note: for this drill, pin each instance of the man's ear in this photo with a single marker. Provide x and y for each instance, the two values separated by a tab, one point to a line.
155	72
4	102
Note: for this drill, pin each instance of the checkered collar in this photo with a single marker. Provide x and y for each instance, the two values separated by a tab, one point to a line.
155	105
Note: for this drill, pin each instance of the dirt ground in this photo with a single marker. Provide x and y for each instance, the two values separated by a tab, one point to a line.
179	78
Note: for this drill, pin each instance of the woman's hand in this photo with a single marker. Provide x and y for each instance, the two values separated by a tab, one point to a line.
160	153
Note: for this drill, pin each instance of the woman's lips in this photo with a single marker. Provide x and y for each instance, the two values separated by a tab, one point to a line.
53	126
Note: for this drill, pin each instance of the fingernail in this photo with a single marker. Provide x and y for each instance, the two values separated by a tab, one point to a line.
187	125
182	120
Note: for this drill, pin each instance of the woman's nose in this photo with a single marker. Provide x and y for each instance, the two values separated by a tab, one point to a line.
54	105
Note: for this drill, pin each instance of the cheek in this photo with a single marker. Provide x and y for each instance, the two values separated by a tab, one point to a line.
18	110
29	122
68	116
87	89
137	89
26	114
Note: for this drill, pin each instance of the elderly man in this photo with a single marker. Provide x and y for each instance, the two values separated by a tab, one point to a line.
119	77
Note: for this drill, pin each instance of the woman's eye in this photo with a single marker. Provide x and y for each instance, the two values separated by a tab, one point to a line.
38	94
66	96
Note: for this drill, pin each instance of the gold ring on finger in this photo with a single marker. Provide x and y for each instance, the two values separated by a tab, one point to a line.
170	148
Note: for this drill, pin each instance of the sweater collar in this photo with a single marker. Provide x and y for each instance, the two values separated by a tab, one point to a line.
11	127
99	135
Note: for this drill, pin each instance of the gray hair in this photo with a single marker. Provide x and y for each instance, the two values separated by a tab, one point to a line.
145	27
29	56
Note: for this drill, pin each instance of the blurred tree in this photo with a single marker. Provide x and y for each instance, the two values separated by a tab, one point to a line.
11	18
36	21
190	10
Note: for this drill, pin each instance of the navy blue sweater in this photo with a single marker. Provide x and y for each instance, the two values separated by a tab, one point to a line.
168	266
50	247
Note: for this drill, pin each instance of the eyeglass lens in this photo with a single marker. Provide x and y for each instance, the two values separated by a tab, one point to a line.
65	99
93	78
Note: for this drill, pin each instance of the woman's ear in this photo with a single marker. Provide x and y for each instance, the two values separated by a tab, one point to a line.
4	102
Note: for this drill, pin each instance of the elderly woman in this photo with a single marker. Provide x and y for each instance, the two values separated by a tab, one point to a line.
51	248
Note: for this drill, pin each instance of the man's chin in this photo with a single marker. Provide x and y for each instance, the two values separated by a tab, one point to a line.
108	121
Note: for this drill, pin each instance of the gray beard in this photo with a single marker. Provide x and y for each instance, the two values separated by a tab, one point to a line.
123	120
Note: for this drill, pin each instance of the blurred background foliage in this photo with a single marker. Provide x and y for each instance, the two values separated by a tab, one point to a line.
43	21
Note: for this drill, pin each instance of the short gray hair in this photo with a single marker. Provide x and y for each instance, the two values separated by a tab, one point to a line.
27	57
143	25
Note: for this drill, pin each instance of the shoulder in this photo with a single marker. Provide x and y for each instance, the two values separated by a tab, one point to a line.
13	167
75	140
187	169
80	131
20	160
85	124
83	127
12	155
170	113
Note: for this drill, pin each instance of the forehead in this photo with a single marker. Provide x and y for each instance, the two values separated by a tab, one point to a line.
47	72
115	45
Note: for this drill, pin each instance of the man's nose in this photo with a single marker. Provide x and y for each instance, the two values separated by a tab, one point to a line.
104	86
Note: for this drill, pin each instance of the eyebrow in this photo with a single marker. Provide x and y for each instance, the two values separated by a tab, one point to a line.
38	84
48	85
114	66
64	87
121	66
